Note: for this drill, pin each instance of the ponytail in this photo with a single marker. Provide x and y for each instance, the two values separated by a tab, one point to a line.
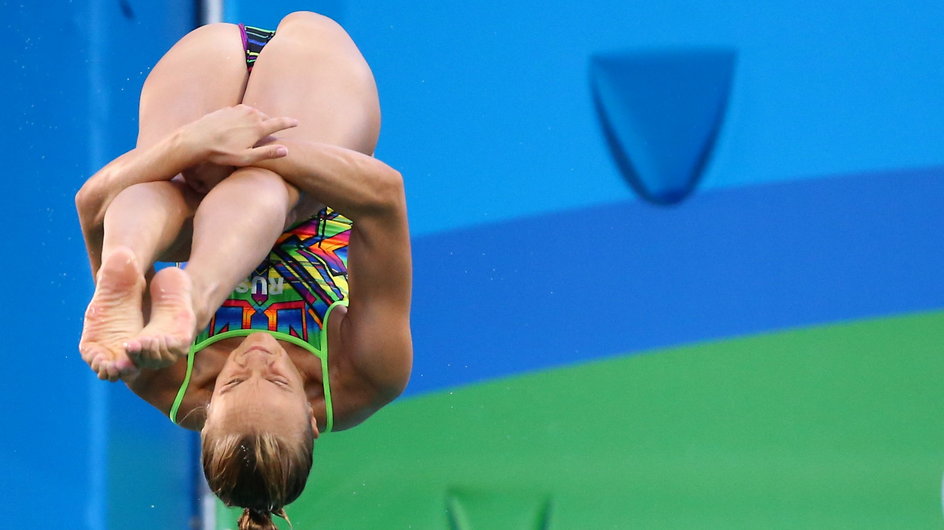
260	520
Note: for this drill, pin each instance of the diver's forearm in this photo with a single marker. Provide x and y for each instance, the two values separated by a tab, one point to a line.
161	161
350	182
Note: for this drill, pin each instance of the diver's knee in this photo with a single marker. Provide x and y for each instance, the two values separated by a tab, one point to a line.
216	31
267	187
306	24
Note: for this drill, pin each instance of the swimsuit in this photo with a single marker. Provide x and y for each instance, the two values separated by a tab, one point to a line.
291	294
254	39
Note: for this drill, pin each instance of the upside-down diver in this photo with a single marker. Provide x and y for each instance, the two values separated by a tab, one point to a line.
253	165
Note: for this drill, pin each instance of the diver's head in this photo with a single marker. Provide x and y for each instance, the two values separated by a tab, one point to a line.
258	436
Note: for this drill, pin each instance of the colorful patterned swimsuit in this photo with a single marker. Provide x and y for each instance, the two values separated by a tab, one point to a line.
254	39
289	296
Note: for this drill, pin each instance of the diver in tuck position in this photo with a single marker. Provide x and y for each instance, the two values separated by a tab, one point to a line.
291	317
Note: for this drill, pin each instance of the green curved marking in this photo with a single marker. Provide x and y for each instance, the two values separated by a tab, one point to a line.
831	427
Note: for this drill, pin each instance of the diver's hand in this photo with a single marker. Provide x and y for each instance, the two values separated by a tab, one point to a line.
231	136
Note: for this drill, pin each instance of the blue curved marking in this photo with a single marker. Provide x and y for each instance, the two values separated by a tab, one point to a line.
661	112
579	285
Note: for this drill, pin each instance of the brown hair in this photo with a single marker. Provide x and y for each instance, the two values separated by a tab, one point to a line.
262	472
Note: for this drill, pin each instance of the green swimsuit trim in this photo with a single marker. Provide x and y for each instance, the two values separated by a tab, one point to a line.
321	352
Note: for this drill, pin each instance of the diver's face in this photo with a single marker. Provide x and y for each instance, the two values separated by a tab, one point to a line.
260	389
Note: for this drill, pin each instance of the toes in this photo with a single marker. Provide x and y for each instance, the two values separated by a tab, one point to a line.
154	352
101	359
88	353
135	351
104	367
96	362
111	371
145	352
91	351
124	368
142	351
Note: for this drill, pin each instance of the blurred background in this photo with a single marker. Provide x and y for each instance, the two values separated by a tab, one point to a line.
677	265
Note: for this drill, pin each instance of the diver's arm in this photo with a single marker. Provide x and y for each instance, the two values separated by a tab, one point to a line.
375	332
226	137
348	181
160	161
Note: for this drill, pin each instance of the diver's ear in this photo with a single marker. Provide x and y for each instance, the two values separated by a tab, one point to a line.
314	423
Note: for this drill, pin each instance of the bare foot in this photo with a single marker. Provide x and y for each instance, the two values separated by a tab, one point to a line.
168	335
113	316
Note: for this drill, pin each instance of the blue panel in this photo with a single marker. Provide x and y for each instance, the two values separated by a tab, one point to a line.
73	72
45	405
661	112
488	113
583	284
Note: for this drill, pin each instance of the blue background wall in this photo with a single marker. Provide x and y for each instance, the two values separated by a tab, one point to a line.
819	202
78	453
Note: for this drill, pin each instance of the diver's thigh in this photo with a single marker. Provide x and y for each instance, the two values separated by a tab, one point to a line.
311	70
204	71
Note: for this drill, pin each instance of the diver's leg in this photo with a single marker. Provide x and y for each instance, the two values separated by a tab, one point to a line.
313	72
140	222
203	72
234	228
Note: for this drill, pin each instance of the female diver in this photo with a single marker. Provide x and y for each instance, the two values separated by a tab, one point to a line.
291	317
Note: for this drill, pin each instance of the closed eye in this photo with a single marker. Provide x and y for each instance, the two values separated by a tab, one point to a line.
232	383
229	385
